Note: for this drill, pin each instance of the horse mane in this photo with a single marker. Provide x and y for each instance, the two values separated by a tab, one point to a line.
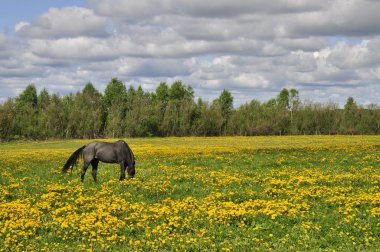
131	156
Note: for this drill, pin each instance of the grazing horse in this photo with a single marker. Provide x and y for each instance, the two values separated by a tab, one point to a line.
118	152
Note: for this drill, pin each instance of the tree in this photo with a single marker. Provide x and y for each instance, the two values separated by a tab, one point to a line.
114	102
68	107
89	105
140	119
7	120
28	97
26	120
283	106
179	91
43	101
294	103
306	119
57	116
178	113
160	102
162	93
350	116
209	119
369	120
283	99
86	113
171	111
225	101
271	116
250	119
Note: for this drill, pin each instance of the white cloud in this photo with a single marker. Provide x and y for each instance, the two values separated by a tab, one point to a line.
137	9
251	80
21	25
79	48
344	56
66	22
342	17
133	67
326	48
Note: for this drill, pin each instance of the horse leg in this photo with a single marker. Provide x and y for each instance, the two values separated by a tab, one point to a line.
94	164
122	171
84	169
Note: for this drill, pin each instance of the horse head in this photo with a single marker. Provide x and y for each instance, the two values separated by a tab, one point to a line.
131	169
130	162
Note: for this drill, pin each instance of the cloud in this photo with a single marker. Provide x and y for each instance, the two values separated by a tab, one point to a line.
25	71
250	80
327	48
21	25
62	23
343	17
139	9
6	47
132	67
79	49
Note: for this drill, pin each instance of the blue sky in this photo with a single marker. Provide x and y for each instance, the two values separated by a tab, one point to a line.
14	11
328	49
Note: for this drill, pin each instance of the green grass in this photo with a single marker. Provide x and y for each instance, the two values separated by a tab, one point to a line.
211	194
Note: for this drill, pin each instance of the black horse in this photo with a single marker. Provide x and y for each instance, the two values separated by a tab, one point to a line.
118	152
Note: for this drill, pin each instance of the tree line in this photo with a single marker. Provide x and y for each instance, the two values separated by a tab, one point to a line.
173	111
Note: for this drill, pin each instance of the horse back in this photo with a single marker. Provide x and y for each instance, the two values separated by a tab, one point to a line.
102	151
107	152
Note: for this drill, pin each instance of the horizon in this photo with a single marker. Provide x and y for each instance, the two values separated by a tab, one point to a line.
305	102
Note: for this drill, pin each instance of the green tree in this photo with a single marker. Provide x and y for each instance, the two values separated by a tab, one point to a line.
162	93
160	102
209	119
294	103
7	120
369	120
115	105
306	119
283	119
26	113
57	116
351	116
43	101
178	114
68	105
250	120
271	118
283	99
225	102
140	119
90	110
28	97
171	111
85	113
179	91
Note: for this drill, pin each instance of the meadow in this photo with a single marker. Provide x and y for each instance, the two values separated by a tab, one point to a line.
314	193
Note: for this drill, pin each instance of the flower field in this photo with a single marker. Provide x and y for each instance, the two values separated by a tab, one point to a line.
196	194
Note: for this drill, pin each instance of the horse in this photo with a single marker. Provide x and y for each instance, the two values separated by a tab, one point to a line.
118	152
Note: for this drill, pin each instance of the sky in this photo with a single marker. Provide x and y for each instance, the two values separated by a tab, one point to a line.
328	49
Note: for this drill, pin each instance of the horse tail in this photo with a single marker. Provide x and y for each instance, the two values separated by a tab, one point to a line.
72	159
